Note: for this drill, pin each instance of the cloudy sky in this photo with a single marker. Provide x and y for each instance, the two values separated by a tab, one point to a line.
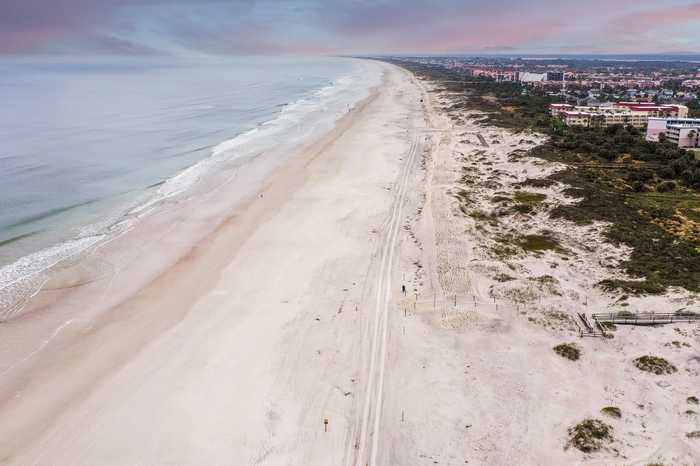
347	26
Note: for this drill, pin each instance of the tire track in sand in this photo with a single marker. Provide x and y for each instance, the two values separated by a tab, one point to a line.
372	409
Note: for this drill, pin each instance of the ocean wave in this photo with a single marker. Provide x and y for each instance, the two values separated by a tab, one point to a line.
288	117
22	279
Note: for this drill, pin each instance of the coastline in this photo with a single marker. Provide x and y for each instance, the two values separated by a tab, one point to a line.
291	314
301	247
71	232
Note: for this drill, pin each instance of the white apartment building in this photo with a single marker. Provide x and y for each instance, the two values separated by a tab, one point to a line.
526	77
623	113
601	117
683	132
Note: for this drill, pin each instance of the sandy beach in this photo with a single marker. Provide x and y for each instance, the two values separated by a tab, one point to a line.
284	336
237	352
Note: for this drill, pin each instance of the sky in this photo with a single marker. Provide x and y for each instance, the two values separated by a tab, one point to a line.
270	27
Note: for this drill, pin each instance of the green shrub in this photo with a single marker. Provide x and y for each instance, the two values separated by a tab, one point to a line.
590	435
538	243
503	277
666	186
612	411
568	350
655	365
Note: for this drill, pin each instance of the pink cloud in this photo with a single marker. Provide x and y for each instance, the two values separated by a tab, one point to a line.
655	19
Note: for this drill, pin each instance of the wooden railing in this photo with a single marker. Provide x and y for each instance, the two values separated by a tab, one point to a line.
646	318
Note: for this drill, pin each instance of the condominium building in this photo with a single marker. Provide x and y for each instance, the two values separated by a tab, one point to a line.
598	116
683	132
623	113
654	110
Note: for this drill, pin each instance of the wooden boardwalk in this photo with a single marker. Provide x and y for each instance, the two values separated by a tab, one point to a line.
587	329
646	318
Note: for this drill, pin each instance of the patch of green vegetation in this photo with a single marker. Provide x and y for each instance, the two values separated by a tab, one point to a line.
642	222
536	183
590	435
523	209
503	277
504	252
530	198
545	280
526	202
612	411
463	195
568	350
647	191
632	286
677	344
479	215
539	243
655	365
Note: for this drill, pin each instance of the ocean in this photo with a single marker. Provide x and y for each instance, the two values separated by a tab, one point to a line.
88	146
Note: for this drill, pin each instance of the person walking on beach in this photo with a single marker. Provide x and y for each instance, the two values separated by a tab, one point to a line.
403	289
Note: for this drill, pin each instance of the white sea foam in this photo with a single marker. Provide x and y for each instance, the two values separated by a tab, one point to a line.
20	280
311	115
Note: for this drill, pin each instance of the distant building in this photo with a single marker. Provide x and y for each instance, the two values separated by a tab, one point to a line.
497	74
555	76
683	132
556	109
653	110
623	113
599	116
526	77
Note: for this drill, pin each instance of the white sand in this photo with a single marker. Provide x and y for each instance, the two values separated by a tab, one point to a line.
291	313
239	351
